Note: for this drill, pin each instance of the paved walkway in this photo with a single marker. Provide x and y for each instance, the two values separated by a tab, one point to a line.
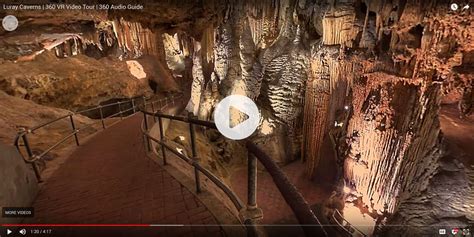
109	179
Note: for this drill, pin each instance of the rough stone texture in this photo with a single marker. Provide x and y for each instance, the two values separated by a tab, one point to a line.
392	144
197	86
19	186
316	113
419	39
338	25
48	80
260	55
327	98
136	40
27	114
445	202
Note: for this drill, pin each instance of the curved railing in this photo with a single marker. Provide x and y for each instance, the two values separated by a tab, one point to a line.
249	214
134	104
192	161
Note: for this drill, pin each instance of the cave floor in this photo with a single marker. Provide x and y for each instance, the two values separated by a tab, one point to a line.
459	134
109	179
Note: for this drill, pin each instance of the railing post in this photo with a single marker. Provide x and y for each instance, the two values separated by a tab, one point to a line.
194	153
252	182
31	156
147	141
251	214
153	110
310	223
74	129
120	109
162	139
102	116
133	105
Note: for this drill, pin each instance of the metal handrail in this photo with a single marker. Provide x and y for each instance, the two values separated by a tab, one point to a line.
48	123
232	196
23	133
310	223
204	123
80	112
103	106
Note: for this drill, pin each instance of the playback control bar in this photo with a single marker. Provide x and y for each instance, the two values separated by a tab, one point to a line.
102	230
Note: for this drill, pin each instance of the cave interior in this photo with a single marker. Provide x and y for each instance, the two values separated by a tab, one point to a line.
365	106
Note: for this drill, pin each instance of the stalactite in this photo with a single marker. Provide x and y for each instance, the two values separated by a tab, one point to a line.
265	28
338	26
207	52
135	39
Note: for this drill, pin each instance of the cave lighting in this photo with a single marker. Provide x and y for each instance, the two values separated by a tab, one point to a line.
181	138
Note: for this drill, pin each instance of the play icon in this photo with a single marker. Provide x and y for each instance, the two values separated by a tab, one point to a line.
236	117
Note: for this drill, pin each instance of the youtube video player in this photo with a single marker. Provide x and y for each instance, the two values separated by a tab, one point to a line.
208	118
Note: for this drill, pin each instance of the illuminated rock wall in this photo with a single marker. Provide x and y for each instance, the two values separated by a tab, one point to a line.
393	138
410	43
136	39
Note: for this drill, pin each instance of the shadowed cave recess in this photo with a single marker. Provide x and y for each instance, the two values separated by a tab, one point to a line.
365	105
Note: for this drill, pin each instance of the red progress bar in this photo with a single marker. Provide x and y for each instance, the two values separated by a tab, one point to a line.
76	225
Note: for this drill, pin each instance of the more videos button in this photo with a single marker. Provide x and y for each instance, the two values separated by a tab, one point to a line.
18	212
236	117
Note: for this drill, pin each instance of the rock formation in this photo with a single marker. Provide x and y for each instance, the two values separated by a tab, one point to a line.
371	73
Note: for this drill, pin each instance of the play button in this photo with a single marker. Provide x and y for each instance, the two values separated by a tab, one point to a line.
9	231
239	116
236	117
